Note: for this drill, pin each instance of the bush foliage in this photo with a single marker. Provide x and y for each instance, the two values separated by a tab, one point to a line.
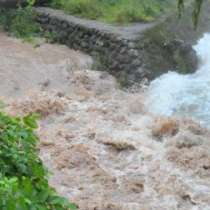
23	178
20	22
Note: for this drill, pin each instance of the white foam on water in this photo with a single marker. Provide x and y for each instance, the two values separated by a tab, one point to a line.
185	95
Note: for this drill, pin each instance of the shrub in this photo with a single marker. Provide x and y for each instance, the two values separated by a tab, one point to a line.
23	24
20	22
23	178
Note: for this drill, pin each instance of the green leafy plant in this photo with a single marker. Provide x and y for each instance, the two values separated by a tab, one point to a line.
21	23
23	178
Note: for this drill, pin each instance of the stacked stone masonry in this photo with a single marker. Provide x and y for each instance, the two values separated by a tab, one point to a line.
126	52
113	47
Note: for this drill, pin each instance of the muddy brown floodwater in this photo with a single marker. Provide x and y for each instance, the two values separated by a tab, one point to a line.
104	150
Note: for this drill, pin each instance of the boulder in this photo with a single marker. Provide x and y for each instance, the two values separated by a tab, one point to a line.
183	55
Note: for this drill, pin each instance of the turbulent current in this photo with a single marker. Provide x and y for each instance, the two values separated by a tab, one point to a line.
104	150
185	95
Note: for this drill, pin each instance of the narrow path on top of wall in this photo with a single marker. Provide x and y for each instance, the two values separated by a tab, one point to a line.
105	151
129	31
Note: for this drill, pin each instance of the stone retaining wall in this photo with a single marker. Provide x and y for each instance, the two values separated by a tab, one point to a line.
115	49
112	47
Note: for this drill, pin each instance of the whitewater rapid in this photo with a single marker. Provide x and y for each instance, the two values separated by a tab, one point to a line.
184	95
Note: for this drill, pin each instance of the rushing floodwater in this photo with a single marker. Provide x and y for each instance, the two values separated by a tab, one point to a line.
103	150
185	95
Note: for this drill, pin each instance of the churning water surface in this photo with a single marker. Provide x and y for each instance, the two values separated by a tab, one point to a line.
184	95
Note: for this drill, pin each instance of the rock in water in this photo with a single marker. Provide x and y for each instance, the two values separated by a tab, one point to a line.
183	55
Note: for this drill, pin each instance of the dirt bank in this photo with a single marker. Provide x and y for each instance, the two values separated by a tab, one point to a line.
105	151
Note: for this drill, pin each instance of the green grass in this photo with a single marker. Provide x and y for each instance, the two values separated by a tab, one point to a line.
115	11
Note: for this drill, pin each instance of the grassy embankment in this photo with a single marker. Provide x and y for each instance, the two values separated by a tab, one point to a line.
20	22
115	11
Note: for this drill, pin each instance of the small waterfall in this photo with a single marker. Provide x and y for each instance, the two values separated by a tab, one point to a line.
184	95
